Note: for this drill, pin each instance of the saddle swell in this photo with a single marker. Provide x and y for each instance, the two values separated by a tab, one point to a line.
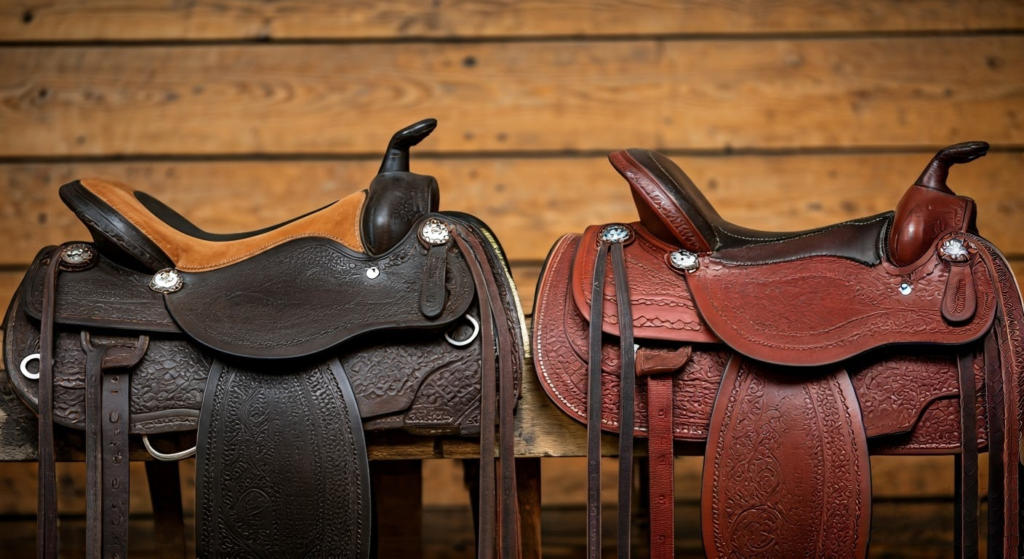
792	356
373	313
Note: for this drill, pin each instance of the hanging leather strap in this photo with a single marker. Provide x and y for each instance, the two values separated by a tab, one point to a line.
627	388
966	512
47	544
496	349
594	404
1004	369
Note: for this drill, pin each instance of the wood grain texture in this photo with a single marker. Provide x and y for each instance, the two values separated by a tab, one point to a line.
168	20
538	96
528	202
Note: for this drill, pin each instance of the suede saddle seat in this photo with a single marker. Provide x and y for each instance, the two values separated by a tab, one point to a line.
791	355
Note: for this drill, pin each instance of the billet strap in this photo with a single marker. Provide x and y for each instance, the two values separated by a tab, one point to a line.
660	454
786	471
627	390
281	466
966	511
106	439
47	544
492	324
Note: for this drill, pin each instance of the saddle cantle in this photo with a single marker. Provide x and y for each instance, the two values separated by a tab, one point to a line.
280	347
792	356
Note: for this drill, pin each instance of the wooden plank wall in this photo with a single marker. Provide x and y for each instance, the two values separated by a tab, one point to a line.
789	114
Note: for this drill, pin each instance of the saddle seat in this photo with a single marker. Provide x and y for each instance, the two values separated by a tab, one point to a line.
134	223
674	209
140	231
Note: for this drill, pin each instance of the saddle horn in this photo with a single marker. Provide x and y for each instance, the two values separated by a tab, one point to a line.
397	198
396	158
930	207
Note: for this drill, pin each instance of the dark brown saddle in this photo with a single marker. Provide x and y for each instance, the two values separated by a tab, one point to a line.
280	347
787	359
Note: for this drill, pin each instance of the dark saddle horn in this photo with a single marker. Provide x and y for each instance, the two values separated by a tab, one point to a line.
397	198
934	175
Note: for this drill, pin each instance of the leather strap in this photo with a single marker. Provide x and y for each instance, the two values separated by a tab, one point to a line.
786	467
660	460
966	511
627	389
1004	372
594	406
107	472
281	464
47	544
493	319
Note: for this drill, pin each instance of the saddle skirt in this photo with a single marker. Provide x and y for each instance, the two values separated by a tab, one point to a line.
793	356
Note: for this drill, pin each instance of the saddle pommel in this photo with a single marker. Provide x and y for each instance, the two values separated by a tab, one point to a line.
930	208
397	156
397	198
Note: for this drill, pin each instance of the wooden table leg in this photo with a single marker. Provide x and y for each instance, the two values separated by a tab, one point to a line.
165	492
398	507
528	485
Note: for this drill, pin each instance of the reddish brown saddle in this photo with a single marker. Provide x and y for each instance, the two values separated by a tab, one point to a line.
792	356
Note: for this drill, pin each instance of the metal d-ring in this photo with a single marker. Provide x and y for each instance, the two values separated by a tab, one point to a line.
24	367
173	457
469	340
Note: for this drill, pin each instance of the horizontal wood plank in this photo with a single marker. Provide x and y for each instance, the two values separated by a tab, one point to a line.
530	96
168	20
528	202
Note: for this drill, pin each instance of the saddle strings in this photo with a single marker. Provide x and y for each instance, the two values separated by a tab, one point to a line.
493	318
47	543
627	384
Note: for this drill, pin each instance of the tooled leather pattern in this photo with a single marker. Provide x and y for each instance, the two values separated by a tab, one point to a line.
821	310
266	488
896	392
439	396
105	295
667	209
662	306
935	376
307	296
788	469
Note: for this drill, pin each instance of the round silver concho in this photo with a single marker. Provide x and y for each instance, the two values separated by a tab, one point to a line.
684	260
616	233
956	249
906	288
167	280
77	256
435	232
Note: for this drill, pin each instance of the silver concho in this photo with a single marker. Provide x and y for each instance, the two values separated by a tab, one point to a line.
906	288
167	280
77	256
435	232
684	260
956	249
372	272
615	233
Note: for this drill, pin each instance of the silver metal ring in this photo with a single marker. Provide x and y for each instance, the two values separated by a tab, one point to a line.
24	367
174	457
469	340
